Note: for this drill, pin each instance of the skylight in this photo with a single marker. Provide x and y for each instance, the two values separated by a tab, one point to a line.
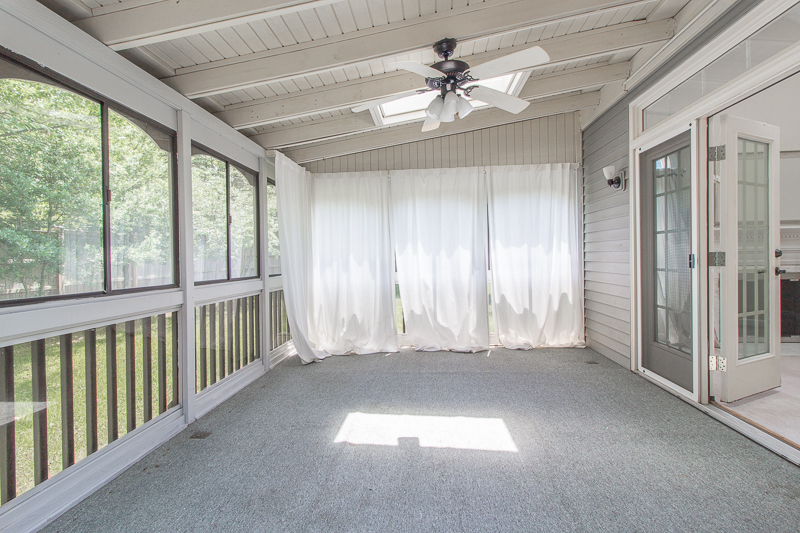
413	107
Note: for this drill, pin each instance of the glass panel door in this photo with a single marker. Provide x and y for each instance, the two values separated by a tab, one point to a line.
745	309
666	226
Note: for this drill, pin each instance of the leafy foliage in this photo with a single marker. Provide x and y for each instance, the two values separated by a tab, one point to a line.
50	189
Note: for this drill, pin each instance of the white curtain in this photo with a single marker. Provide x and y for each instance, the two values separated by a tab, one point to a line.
293	186
535	255
352	297
439	227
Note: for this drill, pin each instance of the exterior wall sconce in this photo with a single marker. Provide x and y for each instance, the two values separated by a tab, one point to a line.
615	179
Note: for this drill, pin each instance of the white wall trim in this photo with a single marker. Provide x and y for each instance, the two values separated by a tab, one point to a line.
44	503
218	292
281	353
216	394
733	35
23	324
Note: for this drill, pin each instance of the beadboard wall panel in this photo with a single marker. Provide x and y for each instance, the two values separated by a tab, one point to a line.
553	139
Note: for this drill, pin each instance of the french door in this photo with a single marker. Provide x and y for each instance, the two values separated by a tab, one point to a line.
744	223
667	305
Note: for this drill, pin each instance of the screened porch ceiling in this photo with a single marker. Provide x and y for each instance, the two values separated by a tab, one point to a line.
287	73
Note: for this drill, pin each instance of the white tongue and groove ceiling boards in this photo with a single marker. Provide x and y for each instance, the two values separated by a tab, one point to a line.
288	72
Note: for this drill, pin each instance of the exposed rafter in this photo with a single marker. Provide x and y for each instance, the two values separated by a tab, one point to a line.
477	120
536	87
585	45
386	41
162	21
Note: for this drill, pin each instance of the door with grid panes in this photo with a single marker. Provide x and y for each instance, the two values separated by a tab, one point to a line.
744	223
667	262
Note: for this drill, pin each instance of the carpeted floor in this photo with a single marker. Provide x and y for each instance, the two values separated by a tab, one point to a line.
599	449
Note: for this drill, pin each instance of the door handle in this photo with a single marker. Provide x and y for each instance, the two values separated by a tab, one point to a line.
778	253
779	271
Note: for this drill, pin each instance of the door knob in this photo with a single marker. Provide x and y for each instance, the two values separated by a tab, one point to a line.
779	271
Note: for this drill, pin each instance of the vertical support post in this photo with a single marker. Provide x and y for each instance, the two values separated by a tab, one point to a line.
230	337
111	382
39	390
90	338
176	377
67	408
183	322
203	348
221	340
237	304
162	363
147	369
261	315
130	374
212	340
245	303
8	445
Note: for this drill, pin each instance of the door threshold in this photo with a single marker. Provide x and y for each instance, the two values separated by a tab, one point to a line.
756	424
742	425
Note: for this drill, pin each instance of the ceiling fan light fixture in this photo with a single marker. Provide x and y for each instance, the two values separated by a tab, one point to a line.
434	109
464	107
450	107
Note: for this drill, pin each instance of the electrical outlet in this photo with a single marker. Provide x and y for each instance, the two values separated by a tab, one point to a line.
712	362
722	364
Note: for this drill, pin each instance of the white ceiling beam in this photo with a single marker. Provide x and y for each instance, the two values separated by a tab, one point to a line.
562	49
479	20
479	119
690	22
536	87
162	21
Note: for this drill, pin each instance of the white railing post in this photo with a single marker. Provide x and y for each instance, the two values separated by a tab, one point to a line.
265	171
186	316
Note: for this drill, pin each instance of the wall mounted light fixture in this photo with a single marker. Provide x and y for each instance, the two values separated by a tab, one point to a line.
615	179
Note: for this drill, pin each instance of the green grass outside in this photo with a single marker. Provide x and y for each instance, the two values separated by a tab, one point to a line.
23	392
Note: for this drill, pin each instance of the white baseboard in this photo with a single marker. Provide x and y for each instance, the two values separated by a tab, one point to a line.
281	353
212	396
44	503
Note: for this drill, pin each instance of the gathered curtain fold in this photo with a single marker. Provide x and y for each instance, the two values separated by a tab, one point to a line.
352	296
293	188
439	230
534	245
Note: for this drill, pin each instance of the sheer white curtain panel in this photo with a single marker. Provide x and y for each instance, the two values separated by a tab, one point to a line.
534	243
439	229
352	297
293	186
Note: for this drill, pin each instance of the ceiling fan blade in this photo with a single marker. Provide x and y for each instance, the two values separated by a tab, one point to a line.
522	60
417	68
372	103
504	101
430	124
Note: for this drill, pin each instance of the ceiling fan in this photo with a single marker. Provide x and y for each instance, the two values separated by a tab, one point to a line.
451	75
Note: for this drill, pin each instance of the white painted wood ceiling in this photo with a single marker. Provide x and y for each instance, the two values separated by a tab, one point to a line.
244	38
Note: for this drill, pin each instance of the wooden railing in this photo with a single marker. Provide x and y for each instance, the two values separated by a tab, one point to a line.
279	321
43	381
227	338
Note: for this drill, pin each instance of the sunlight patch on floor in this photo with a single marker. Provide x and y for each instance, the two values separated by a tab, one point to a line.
459	432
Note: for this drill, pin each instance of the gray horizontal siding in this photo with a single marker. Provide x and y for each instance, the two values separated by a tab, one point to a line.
606	240
554	139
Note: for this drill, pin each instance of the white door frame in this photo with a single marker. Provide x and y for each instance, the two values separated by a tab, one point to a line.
637	149
694	117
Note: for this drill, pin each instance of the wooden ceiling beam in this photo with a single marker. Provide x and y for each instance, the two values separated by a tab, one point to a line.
348	94
479	119
161	21
536	87
465	23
